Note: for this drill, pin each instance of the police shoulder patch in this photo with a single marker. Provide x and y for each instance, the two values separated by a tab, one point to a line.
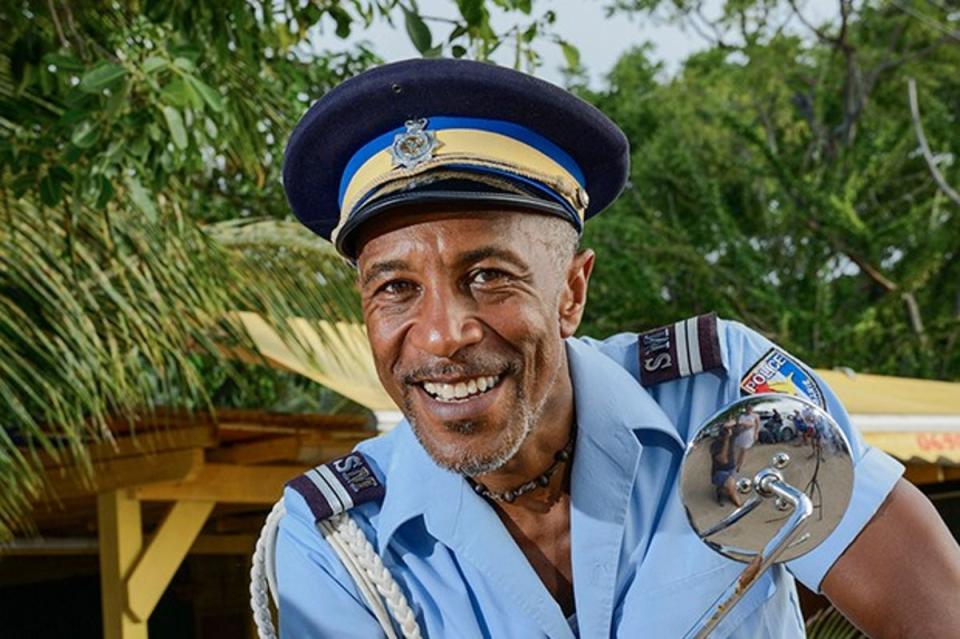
338	486
777	372
680	349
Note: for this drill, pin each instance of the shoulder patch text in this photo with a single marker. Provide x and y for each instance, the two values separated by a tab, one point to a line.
678	350
338	486
777	372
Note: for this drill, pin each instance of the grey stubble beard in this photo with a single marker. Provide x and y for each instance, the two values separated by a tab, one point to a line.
472	466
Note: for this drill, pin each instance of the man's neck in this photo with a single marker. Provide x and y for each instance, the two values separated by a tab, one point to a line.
548	436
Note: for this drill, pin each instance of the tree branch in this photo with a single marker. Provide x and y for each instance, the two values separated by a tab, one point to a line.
56	24
925	148
916	321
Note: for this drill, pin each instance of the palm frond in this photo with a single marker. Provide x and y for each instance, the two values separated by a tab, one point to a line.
99	321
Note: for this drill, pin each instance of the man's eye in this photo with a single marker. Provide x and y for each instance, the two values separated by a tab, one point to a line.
486	276
396	287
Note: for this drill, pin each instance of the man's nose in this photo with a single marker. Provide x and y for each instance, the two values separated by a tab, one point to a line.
444	324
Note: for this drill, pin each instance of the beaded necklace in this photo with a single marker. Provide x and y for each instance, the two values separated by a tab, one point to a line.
540	481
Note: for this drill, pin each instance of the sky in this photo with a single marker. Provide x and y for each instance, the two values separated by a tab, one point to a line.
601	39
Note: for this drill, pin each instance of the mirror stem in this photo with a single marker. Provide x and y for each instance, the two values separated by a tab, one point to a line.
768	483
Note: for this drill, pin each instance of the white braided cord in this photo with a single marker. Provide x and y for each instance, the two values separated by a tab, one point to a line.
260	578
386	585
356	554
330	528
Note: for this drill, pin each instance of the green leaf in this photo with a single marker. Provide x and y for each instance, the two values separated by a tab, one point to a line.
184	64
458	31
458	51
175	123
433	52
140	147
343	20
50	192
209	95
472	11
61	174
105	192
153	64
141	198
64	62
84	135
116	149
180	93
418	30
571	54
118	100
101	77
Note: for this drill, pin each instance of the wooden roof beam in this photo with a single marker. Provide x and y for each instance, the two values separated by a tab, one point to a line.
225	483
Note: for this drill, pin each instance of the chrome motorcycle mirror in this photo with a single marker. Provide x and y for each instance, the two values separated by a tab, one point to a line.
764	481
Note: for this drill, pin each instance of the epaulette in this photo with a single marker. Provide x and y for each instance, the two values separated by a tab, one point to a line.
338	486
680	349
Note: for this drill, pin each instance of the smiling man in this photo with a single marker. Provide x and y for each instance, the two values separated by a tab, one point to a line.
531	489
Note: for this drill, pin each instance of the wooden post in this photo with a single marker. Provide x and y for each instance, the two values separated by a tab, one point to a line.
121	540
148	580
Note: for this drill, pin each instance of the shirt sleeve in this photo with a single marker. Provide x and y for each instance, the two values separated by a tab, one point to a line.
874	476
318	597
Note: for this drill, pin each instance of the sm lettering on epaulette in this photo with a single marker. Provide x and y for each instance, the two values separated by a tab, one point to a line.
338	486
680	349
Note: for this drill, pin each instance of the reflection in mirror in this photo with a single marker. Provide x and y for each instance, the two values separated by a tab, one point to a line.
788	437
764	481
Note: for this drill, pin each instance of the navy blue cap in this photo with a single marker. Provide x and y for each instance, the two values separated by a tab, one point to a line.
432	130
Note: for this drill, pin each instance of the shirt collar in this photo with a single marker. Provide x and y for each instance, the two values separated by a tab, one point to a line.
605	395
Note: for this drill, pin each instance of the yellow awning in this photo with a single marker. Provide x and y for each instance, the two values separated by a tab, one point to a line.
912	419
336	355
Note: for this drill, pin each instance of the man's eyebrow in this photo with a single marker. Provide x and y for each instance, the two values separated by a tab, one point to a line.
487	252
379	268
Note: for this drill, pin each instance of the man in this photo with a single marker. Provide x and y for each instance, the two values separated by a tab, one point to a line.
531	490
747	433
723	467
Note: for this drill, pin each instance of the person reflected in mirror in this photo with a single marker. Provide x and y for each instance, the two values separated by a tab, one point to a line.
803	431
747	431
813	432
723	466
771	428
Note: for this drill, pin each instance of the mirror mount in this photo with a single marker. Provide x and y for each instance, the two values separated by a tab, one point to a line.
769	484
750	491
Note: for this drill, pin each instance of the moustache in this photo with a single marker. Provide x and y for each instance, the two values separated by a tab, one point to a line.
472	367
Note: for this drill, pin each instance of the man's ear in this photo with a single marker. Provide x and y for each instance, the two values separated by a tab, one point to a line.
573	298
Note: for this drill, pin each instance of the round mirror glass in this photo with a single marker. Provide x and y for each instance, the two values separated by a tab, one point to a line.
794	438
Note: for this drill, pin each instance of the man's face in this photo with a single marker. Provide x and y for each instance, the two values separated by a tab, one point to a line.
466	314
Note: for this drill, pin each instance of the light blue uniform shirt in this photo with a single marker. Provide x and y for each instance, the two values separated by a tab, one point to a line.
639	570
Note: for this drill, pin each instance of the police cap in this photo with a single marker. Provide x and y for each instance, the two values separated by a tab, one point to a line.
440	130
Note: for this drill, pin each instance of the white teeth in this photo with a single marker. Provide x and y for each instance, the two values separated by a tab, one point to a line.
460	390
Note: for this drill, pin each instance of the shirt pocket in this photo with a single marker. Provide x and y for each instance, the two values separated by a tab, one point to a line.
671	610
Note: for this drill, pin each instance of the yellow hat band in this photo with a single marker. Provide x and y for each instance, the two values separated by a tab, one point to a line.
488	151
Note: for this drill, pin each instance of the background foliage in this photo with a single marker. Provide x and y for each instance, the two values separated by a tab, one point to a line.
776	179
140	199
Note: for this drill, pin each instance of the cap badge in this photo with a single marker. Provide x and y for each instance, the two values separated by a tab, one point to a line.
414	146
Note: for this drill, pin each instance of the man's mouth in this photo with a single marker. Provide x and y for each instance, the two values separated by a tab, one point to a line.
463	390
